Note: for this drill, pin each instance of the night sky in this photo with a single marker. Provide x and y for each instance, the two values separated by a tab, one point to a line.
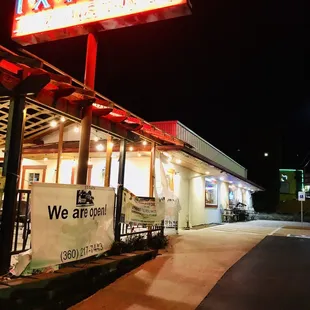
235	72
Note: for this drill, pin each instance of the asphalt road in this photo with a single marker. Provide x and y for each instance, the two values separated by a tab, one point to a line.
275	275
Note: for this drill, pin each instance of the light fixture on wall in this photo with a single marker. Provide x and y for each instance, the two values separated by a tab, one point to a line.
96	139
53	123
144	143
100	147
45	159
76	129
178	161
130	148
62	119
139	154
240	185
169	157
207	172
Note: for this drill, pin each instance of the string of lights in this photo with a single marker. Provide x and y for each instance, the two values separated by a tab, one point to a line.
100	146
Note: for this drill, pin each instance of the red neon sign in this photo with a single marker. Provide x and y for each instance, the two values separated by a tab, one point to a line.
37	17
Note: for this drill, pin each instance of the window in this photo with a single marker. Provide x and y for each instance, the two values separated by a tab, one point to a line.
34	177
231	196
284	185
211	192
307	190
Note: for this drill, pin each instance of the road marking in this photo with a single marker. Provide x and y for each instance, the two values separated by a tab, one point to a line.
298	236
238	232
274	231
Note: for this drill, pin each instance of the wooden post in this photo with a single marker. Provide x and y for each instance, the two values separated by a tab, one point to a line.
151	184
60	147
89	80
119	199
152	170
109	150
13	154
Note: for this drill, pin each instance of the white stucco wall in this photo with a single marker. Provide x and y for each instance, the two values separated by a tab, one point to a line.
189	187
137	175
181	191
248	200
136	172
223	195
181	188
239	196
197	200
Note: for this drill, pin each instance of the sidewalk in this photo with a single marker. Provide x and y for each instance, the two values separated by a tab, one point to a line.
184	274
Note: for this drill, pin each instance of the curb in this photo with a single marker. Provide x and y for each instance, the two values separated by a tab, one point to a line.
69	285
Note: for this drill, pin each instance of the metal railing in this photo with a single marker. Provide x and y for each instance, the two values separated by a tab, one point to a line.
133	229
22	226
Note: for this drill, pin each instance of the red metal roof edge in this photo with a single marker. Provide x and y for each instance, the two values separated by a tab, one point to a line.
165	122
170	138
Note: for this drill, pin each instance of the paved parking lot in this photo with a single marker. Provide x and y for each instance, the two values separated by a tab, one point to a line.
273	275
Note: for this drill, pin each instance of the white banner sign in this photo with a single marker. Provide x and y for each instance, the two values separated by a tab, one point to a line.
141	210
172	209
70	222
166	194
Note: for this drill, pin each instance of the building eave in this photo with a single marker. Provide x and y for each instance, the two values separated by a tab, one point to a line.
208	161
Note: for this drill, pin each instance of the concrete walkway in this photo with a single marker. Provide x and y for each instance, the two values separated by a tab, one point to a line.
184	274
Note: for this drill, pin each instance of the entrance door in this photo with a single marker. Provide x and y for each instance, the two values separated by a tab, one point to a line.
32	174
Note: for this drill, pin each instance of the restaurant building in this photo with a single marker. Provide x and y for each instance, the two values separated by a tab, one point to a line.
204	179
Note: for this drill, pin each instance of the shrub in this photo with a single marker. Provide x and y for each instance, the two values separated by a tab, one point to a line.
138	243
117	248
158	241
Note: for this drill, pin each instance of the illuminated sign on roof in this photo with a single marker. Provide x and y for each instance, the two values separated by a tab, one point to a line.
37	21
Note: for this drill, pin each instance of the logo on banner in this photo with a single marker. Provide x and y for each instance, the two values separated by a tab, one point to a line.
84	198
